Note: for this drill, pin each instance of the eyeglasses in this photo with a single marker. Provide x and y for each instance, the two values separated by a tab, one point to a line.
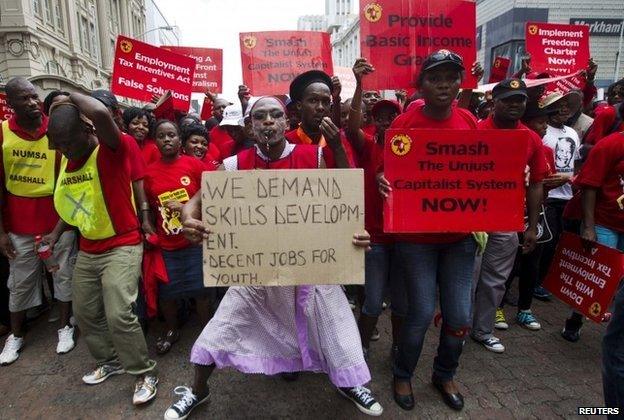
445	55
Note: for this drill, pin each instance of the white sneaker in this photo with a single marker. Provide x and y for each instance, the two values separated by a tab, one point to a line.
12	346
492	344
363	400
144	389
182	408
66	340
101	373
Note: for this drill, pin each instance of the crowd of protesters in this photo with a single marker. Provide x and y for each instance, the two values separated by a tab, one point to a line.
116	196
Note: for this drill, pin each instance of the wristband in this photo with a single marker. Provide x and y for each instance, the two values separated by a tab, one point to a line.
145	206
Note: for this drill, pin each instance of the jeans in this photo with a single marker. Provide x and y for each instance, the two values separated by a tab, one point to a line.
427	266
383	267
613	341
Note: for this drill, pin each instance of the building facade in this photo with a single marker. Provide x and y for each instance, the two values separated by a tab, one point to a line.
501	29
317	23
65	44
158	30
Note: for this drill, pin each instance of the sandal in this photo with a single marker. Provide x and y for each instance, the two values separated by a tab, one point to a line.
163	345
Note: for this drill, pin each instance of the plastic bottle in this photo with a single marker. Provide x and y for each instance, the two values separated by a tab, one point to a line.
44	252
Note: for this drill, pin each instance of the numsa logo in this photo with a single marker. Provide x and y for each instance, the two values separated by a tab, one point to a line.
401	144
532	29
125	45
595	309
372	12
250	41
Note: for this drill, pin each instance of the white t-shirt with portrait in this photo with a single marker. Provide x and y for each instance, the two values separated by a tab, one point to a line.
565	144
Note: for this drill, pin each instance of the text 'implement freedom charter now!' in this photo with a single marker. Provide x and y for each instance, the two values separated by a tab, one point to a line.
283	228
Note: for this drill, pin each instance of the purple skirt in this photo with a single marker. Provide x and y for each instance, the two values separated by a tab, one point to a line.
270	330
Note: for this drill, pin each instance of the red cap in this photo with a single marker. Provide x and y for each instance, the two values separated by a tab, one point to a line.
384	103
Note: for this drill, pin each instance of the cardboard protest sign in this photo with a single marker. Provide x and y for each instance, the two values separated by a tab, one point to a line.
499	69
559	50
455	180
142	70
6	111
208	68
347	81
585	280
397	35
278	228
271	60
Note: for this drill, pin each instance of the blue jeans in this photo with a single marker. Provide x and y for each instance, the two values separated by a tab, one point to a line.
427	266
613	340
383	268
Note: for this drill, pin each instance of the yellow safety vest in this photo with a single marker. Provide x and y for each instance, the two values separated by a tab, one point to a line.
79	199
28	165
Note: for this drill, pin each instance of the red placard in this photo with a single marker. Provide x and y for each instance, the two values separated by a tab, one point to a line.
6	111
397	35
499	69
208	70
271	60
585	280
142	70
206	111
455	180
559	50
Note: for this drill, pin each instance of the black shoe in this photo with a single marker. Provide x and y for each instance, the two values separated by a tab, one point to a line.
406	402
542	294
572	331
455	401
290	376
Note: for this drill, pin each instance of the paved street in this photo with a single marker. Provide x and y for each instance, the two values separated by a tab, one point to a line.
540	376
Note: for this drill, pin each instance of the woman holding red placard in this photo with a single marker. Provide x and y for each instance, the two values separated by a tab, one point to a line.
431	260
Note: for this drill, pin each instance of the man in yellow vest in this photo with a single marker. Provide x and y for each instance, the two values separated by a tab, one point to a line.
28	176
93	193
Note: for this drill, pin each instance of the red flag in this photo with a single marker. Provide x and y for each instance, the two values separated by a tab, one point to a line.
499	69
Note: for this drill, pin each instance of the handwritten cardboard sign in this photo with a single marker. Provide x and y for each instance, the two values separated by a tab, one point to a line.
455	180
279	228
559	50
6	111
209	67
585	280
397	35
271	60
142	70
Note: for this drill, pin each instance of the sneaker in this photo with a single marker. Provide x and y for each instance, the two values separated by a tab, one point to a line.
363	400
491	343
528	321
571	331
500	323
375	335
542	294
101	373
66	340
187	402
10	353
145	389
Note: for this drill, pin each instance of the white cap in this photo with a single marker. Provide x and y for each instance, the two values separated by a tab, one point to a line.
250	104
233	115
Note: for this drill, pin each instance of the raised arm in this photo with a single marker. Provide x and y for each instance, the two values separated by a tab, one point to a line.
96	111
354	132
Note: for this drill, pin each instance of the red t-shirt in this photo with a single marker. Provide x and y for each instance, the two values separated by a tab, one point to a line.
604	170
213	154
149	151
535	153
303	156
135	158
328	155
220	138
603	124
114	169
25	215
164	181
415	118
370	159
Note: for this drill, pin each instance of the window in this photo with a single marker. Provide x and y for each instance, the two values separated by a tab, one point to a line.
58	16
47	9
514	50
37	7
115	17
92	40
84	33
